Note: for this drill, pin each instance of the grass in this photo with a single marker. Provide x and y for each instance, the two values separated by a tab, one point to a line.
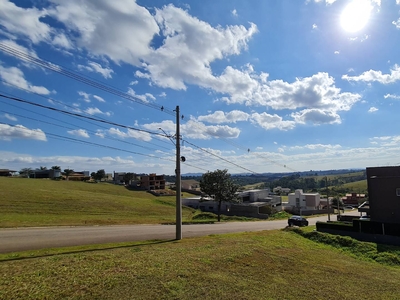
259	265
357	186
39	202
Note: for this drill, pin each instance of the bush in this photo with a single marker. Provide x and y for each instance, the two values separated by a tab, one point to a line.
204	216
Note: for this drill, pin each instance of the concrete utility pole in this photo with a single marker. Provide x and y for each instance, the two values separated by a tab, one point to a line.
327	199
178	179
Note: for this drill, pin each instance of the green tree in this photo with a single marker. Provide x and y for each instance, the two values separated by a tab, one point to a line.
128	177
99	175
68	172
218	184
56	168
43	168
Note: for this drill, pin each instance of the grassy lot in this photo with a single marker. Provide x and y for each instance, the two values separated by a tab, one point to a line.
41	202
260	265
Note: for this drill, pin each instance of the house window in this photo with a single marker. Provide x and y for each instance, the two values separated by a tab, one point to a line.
398	192
211	207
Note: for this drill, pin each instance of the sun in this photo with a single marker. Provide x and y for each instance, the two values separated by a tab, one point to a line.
355	15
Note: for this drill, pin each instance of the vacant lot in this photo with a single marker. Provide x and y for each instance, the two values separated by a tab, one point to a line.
41	202
261	265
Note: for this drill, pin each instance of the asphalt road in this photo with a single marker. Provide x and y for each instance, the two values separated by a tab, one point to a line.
20	239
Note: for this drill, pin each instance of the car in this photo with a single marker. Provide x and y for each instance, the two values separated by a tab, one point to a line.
365	218
297	221
348	207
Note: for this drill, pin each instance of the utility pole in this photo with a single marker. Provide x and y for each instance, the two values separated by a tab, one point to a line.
327	199
178	179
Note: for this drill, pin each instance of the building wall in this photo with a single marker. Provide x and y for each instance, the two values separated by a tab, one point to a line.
153	182
304	201
384	194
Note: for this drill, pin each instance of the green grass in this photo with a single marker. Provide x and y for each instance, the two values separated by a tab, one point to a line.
39	202
260	265
357	186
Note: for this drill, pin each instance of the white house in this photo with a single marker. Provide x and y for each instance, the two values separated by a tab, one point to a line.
304	201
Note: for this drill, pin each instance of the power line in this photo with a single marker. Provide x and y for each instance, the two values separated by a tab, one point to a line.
79	115
83	79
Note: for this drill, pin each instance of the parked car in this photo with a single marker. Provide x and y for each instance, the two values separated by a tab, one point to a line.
348	207
365	218
297	221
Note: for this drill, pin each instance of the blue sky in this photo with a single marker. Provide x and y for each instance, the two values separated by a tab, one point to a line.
271	86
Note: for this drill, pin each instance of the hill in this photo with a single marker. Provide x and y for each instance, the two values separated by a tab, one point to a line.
42	202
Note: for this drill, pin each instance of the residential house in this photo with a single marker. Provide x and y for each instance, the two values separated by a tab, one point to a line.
190	184
281	190
6	172
304	201
353	199
152	182
384	194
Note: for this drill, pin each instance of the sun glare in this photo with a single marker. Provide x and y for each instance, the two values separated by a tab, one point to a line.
355	15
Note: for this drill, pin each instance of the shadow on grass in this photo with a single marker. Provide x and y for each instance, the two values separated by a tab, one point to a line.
75	250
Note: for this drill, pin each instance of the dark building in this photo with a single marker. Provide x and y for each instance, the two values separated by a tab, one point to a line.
384	194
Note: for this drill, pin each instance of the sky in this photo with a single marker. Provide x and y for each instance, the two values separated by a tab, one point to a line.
261	86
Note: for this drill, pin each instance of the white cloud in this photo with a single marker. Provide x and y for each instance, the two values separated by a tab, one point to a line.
134	82
372	76
268	121
314	26
63	41
391	95
24	22
316	147
103	27
221	117
79	132
10	117
9	133
316	116
163	94
86	96
397	23
15	77
386	141
95	67
98	98
336	52
195	130
234	12
372	110
96	111
144	98
130	133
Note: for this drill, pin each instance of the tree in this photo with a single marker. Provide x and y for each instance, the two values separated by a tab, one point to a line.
56	168
43	168
25	172
68	172
128	177
335	201
99	175
218	184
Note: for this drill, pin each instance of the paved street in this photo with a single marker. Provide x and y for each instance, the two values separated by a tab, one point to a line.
19	239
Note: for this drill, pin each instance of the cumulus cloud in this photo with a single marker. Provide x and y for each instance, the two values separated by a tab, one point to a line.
102	27
225	117
234	13
15	77
62	41
144	98
79	132
268	121
316	116
13	45
316	147
24	22
376	76
386	141
196	130
8	133
98	98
